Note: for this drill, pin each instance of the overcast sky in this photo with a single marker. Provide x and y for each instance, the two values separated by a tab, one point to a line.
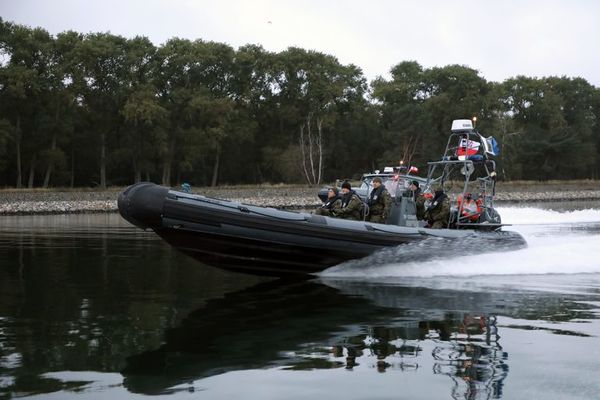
501	39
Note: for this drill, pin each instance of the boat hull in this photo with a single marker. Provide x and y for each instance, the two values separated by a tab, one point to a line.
260	240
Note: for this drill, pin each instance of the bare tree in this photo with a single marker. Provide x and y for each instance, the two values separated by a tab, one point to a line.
311	149
408	149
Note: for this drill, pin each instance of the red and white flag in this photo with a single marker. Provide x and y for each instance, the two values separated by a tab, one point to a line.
467	147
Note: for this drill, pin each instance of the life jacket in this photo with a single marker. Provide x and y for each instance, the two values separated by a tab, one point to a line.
376	196
329	204
471	209
363	206
438	197
347	197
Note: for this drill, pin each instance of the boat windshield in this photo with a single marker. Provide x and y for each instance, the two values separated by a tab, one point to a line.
394	184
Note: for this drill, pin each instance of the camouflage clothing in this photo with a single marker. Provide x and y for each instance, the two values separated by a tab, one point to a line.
380	203
420	200
351	207
439	211
377	219
331	207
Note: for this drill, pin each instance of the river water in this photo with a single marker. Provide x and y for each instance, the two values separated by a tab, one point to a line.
92	308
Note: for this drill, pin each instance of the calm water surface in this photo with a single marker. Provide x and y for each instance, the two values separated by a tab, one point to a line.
92	308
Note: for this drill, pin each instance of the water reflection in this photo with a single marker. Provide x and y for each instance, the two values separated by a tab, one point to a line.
78	293
476	363
323	325
98	297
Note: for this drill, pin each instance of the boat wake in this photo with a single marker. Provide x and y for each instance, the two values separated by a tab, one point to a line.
558	243
536	216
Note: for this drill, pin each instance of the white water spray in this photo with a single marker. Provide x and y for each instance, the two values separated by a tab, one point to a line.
558	243
534	216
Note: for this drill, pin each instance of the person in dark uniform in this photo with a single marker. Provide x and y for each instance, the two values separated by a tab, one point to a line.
351	204
438	212
380	202
332	205
419	199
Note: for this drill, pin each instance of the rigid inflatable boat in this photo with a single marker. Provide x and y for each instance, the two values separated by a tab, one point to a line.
260	240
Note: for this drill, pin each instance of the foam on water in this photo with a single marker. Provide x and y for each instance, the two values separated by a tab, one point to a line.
557	243
532	216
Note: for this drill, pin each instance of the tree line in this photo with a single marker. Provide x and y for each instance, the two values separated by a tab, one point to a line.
99	109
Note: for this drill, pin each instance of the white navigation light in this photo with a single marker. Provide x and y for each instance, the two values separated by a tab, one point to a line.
459	125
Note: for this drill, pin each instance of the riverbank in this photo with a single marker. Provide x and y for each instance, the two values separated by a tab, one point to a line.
57	201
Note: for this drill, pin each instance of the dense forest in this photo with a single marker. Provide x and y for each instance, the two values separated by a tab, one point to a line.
99	109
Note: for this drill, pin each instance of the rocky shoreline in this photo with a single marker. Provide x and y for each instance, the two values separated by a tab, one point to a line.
24	202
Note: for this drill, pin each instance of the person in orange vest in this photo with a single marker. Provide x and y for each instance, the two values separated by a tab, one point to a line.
470	209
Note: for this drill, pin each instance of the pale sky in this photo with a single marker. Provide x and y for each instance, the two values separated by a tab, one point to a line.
501	39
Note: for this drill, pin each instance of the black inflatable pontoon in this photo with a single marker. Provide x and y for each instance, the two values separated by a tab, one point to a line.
261	240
